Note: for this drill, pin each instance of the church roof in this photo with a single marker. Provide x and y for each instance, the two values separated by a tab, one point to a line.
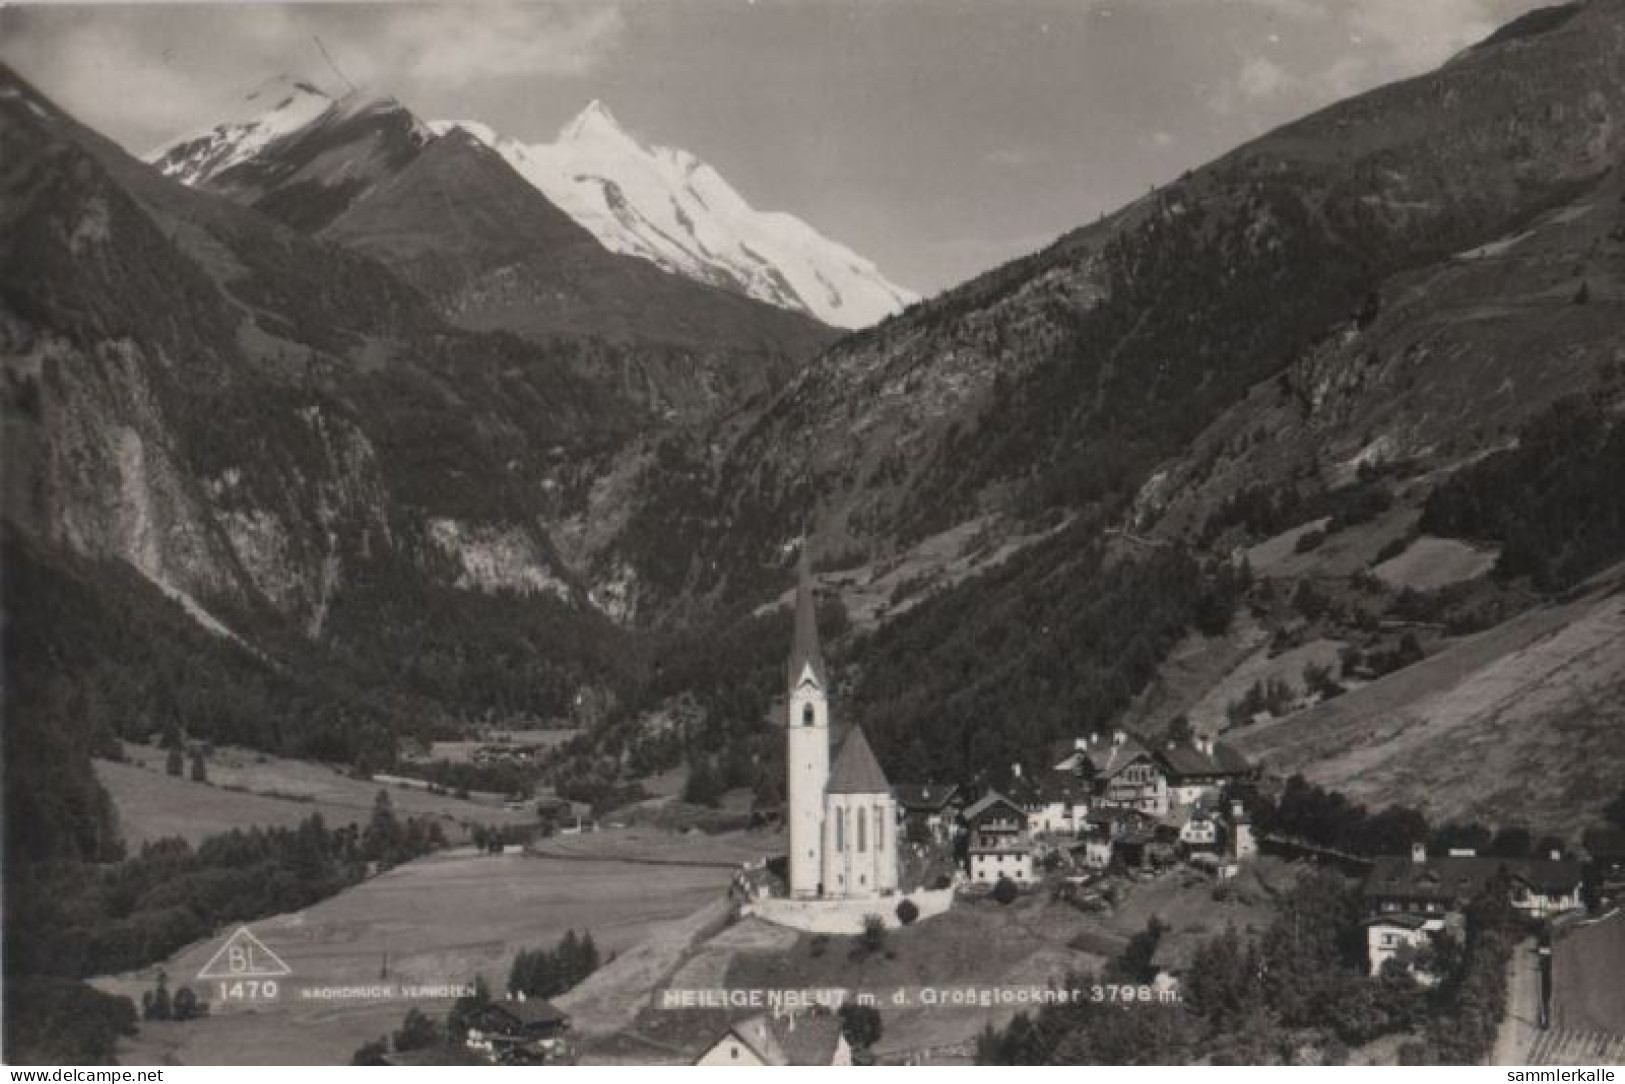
805	652
856	771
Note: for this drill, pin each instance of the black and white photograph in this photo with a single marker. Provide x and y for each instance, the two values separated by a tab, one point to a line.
834	533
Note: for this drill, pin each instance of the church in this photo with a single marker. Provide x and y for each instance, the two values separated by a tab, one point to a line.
842	816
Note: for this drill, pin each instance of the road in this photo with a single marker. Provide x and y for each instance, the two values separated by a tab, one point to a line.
1521	1025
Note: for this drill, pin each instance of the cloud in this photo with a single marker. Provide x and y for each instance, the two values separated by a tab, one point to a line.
449	46
1307	53
1261	77
150	71
1014	157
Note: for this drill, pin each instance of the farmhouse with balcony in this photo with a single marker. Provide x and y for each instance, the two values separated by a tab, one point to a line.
999	844
1436	886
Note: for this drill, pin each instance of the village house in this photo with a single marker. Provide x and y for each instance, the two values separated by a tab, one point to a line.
928	811
522	1031
1120	772
1201	770
1403	934
1435	886
1605	848
999	844
804	1039
1063	803
1199	832
1105	827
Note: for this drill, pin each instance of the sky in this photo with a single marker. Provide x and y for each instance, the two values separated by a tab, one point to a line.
939	138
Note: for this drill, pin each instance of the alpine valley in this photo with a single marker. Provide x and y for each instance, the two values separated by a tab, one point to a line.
331	433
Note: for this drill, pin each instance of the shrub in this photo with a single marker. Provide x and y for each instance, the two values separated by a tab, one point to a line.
873	938
860	1024
1005	892
417	1032
185	1005
370	1053
907	912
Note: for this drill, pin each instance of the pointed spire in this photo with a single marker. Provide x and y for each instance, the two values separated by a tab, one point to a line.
805	651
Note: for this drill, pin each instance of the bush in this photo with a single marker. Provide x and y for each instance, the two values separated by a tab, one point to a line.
1005	892
860	1024
873	938
907	912
370	1053
417	1032
185	1006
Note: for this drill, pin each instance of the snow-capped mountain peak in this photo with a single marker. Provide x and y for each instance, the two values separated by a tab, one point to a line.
667	206
269	111
595	122
660	204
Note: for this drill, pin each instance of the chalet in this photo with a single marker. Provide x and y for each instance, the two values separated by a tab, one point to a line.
1095	850
805	1039
1063	803
928	811
1242	843
1606	850
1390	935
1201	770
1199	831
1435	886
1055	801
520	1032
1121	773
999	844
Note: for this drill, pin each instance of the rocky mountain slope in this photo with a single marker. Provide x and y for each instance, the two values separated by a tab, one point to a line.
1296	345
270	430
666	206
493	254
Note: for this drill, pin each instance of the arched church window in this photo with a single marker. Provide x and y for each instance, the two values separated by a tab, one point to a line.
880	827
808	715
840	830
863	820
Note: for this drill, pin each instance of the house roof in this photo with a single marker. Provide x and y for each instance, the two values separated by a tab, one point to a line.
533	1010
1061	751
1107	757
987	802
856	771
1404	920
1186	759
925	797
1023	790
1062	787
807	1039
1459	879
805	651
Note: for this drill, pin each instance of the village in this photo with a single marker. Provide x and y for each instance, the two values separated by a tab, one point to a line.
1106	833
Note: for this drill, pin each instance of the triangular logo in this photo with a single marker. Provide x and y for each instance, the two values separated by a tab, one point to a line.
244	956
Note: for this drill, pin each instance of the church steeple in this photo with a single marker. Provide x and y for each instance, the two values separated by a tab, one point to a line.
805	653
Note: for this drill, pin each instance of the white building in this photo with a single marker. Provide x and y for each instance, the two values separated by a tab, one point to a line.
842	820
1386	936
999	842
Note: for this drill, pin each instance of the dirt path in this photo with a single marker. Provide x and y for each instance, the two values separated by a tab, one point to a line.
1521	1025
